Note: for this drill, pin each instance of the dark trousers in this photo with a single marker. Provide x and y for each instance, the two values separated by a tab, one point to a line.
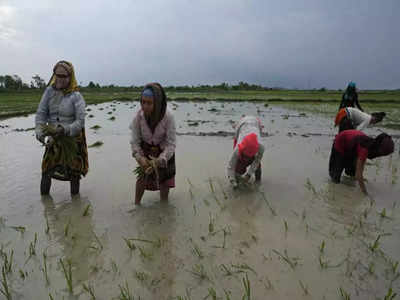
338	163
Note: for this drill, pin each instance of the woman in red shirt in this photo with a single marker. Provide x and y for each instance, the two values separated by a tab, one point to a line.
350	150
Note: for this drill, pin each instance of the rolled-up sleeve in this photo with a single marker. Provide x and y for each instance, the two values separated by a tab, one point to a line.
170	143
136	138
75	128
42	113
257	159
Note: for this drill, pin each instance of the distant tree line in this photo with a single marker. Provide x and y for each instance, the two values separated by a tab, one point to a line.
15	83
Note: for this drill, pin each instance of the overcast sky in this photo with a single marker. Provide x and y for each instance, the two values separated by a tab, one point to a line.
294	44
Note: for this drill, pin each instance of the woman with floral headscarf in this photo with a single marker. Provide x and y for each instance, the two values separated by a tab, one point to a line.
153	143
61	117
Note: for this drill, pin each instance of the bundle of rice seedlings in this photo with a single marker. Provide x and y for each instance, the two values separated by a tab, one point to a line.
64	146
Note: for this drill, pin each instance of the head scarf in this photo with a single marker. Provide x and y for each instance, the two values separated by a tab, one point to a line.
249	145
160	103
382	145
351	88
340	115
67	66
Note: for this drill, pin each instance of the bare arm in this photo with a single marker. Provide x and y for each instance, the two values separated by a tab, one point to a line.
359	175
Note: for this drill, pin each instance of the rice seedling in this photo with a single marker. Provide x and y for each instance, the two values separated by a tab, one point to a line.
310	187
291	261
226	270
243	268
322	264
247	288
51	296
96	144
211	225
21	274
199	272
7	264
211	294
67	274
125	293
273	212
86	211
304	288
100	245
5	289
130	244
196	250
157	243
343	294
66	228
90	116
95	127
112	118
44	269
90	290
390	295
32	246
146	254
141	276
373	247
114	266
20	229
286	226
322	247
371	268
47	230
268	284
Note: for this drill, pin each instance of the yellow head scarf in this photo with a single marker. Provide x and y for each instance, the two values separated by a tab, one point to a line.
73	84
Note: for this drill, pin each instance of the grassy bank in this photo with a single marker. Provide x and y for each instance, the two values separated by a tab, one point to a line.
25	102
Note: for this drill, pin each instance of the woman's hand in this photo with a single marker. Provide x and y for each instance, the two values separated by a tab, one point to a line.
143	162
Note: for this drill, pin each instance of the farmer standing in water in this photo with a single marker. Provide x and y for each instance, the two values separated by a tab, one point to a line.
350	97
350	150
247	152
153	141
61	116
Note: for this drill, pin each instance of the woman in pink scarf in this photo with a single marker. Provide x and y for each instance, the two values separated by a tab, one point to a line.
153	143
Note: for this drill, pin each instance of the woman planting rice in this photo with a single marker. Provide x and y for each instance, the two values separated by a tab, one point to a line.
352	118
350	97
247	152
61	116
350	150
153	143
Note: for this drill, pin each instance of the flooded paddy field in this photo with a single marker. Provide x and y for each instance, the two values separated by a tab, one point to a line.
295	236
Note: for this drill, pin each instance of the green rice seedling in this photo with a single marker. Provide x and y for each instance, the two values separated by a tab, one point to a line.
292	262
390	295
211	294
100	245
95	127
125	293
44	269
371	268
286	226
343	294
211	225
310	187
196	250
112	118
145	253
211	186
373	247
22	274
243	268
86	211
130	244
96	144
5	289
394	266
304	214
141	276
304	288
20	229
67	274
32	246
322	264
268	284
223	191
226	270
51	296
66	228
139	172
247	288
7	265
199	272
47	230
157	243
322	247
273	212
90	290
227	294
114	266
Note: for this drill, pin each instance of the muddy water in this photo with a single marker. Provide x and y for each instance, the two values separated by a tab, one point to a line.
208	238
